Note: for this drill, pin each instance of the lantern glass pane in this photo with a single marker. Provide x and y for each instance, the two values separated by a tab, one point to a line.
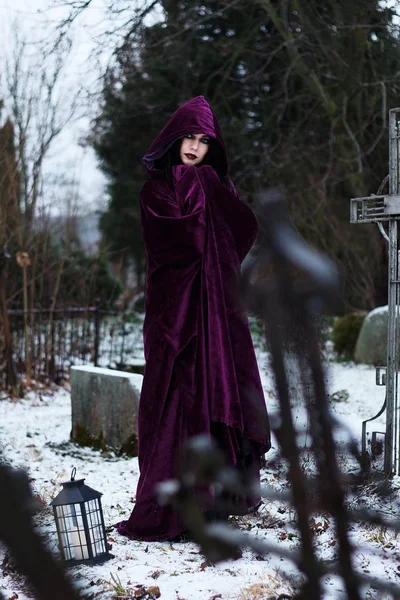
63	523
72	532
95	524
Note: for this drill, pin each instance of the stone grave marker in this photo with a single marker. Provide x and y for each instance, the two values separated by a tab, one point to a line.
105	406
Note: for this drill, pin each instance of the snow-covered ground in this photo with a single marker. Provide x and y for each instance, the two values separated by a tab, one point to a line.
35	432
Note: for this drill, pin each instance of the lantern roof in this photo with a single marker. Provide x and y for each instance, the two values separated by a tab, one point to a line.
74	492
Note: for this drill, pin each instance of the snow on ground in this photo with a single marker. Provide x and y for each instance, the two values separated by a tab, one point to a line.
35	432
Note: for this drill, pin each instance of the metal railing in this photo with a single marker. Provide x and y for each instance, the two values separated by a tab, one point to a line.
55	340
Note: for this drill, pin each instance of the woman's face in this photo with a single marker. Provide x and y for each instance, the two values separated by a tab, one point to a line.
194	147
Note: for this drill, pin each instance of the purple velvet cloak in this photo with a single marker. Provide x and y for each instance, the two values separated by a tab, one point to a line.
201	373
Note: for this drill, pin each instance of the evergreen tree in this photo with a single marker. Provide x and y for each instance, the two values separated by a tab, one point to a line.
302	90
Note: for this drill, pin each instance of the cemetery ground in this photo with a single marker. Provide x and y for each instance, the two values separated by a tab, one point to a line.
35	435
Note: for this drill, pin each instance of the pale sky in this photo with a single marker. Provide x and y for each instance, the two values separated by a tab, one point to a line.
37	21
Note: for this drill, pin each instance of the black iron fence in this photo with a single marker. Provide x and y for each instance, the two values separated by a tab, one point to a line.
46	343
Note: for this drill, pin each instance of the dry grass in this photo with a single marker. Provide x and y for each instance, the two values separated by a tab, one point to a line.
275	587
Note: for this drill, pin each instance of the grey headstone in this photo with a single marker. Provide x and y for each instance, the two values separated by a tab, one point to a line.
105	405
372	340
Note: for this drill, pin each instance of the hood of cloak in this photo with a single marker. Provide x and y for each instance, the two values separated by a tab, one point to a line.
195	116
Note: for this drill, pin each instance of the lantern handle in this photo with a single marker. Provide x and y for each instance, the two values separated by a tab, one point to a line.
73	473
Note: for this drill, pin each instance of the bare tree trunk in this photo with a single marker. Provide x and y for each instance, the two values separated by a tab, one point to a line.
26	329
50	349
41	346
11	372
50	339
24	261
32	317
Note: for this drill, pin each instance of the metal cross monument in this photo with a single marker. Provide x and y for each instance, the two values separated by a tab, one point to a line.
377	209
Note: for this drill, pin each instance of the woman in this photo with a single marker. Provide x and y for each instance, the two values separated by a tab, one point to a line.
201	373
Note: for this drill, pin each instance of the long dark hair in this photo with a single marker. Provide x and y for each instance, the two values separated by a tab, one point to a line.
214	158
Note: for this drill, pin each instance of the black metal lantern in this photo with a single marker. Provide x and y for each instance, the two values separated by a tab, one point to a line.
80	523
